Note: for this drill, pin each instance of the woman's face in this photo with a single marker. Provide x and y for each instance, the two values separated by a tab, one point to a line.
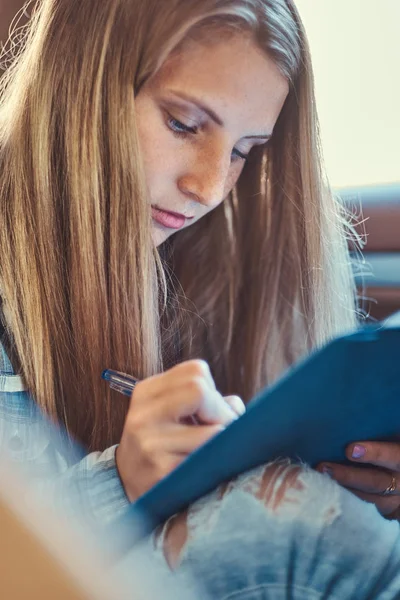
206	108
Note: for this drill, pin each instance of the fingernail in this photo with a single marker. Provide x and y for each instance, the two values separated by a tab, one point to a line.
327	470
358	451
236	404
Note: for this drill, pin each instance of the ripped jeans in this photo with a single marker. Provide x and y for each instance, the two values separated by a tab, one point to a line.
282	532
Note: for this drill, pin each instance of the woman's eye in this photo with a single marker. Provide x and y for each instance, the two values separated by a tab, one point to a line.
181	130
240	155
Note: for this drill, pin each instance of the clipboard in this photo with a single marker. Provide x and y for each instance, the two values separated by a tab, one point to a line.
347	391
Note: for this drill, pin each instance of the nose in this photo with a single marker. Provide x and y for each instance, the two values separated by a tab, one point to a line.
206	179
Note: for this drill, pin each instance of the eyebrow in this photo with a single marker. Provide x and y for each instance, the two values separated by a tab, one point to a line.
212	114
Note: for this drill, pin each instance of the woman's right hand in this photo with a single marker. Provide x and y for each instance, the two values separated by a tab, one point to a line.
157	437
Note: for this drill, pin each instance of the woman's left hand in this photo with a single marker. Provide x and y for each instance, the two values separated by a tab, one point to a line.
379	484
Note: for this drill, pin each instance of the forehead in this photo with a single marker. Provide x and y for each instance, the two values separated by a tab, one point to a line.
234	74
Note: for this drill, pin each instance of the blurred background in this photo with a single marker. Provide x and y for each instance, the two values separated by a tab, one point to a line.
355	47
356	54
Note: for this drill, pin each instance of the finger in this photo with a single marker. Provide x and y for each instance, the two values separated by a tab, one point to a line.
191	398
194	368
207	406
236	404
381	454
156	386
385	504
177	439
373	481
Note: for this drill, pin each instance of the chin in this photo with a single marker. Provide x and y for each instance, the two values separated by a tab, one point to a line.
159	236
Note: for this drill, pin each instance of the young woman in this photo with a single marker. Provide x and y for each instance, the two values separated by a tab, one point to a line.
162	201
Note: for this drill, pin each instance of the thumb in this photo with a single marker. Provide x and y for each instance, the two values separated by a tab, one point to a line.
236	404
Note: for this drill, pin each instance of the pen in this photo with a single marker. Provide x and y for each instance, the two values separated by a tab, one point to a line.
121	382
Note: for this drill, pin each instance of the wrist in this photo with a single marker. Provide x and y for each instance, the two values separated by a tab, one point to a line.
128	494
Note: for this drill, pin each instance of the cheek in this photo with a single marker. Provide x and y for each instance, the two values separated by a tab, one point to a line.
155	143
232	178
152	149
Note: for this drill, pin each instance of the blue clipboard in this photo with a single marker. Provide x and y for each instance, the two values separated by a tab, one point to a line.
347	391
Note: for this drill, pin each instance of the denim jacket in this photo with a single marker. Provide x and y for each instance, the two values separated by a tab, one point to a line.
63	472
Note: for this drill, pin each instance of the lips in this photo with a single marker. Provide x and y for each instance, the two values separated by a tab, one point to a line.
168	219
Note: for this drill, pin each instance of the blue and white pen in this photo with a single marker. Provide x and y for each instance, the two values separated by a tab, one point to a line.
121	382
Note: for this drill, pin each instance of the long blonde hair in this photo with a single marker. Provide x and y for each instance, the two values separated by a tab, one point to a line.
251	287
